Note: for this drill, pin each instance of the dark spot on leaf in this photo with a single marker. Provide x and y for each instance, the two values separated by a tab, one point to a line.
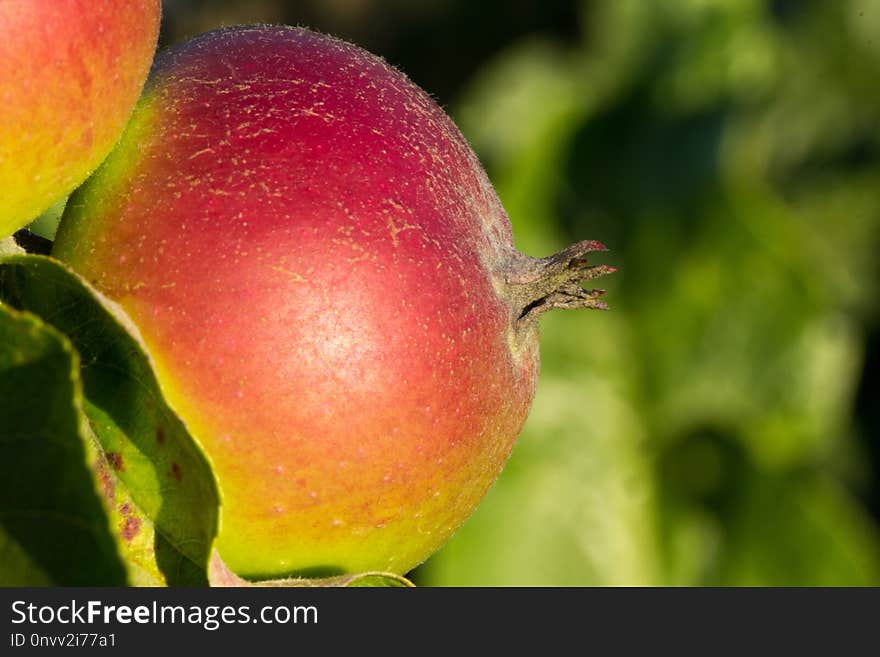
115	459
125	509
160	436
175	471
107	487
130	528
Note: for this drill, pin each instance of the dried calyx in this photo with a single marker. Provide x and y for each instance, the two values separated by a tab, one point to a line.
535	285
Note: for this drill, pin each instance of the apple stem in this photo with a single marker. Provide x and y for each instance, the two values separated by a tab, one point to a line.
536	285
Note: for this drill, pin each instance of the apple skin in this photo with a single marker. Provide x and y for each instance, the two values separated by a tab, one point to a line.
316	260
70	73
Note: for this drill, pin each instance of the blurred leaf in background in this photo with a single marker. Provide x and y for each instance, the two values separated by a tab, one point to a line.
719	426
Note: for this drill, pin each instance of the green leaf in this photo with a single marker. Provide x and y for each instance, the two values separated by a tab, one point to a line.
53	526
151	560
150	454
370	580
221	576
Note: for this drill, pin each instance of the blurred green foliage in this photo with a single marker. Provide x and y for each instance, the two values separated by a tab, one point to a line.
702	433
718	426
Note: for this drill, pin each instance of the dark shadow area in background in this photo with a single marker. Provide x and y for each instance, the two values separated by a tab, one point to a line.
868	416
438	44
626	160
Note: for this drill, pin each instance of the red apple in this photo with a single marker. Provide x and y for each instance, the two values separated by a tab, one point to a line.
328	284
70	74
